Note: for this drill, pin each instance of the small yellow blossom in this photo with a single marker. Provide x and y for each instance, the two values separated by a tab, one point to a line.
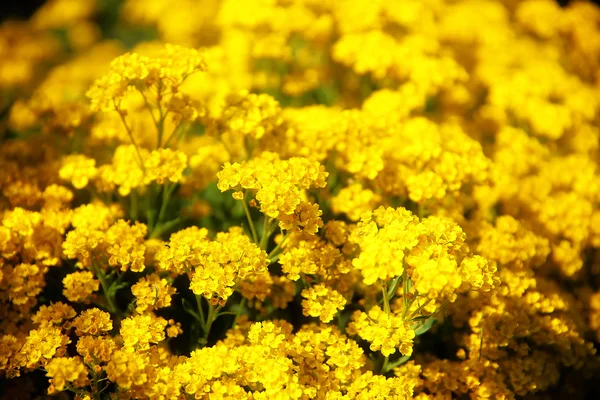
92	322
64	370
165	164
79	286
152	292
79	170
385	332
322	301
141	330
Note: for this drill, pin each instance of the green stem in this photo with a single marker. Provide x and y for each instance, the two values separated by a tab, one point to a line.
384	367
405	290
264	240
130	134
174	134
213	313
391	365
150	210
386	300
96	386
278	247
414	313
250	222
148	106
200	311
392	288
167	192
162	116
108	296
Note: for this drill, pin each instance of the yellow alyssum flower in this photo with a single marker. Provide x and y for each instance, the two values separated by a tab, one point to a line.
386	332
383	237
223	263
322	301
165	165
54	314
279	187
92	322
78	169
67	370
152	292
141	330
96	348
79	286
171	67
251	114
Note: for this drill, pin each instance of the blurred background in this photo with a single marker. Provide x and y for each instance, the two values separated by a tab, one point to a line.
23	9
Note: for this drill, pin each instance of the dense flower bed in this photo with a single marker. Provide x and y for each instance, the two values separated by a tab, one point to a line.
296	199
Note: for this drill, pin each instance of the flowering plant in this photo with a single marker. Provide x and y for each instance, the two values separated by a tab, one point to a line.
297	199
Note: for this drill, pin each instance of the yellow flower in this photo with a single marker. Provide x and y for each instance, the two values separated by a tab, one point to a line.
96	348
322	301
279	186
54	314
79	286
384	236
141	330
251	114
78	169
152	292
171	67
65	370
223	263
92	322
165	164
385	332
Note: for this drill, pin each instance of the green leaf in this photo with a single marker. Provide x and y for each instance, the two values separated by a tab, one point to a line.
426	326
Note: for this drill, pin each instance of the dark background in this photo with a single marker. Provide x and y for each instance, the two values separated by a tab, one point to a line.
23	9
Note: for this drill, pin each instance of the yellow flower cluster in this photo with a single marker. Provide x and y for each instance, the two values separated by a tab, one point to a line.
322	301
166	71
300	199
152	292
121	245
78	286
279	187
385	332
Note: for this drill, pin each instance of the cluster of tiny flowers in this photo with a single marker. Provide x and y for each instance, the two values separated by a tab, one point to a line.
300	199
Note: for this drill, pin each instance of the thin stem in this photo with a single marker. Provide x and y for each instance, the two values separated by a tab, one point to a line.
148	106
405	291
386	300
107	292
150	209
392	288
384	367
200	310
167	191
278	247
250	222
391	365
130	133
175	133
161	121
414	313
264	240
213	313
